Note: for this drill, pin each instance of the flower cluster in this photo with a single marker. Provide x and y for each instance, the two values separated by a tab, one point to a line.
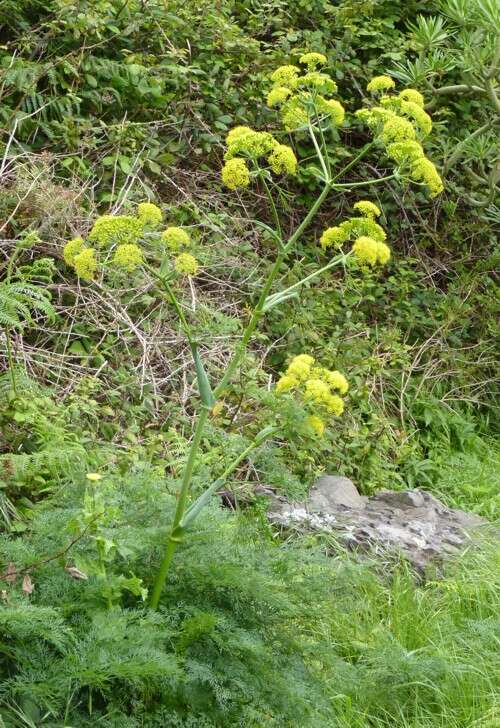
312	60
302	96
369	245
72	249
85	264
317	387
115	240
176	238
381	83
116	230
149	214
128	256
400	122
247	145
186	264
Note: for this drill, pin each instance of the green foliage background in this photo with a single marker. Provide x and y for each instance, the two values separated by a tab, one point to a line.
107	103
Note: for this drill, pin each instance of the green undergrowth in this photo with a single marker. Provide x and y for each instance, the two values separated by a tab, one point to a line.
250	631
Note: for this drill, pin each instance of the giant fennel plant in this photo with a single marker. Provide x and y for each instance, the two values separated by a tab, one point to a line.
304	94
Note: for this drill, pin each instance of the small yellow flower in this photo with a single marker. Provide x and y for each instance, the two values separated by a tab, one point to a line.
128	257
71	249
411	94
408	151
335	405
383	253
236	133
286	383
320	81
336	380
252	144
186	264
94	477
335	236
176	238
293	114
149	214
235	173
317	390
286	76
282	160
366	250
397	129
381	83
367	208
312	60
277	96
217	409
300	367
115	230
333	109
423	170
370	252
316	424
85	264
418	115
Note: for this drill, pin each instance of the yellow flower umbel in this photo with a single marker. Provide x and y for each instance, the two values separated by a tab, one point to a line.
128	257
286	76
282	160
397	129
300	367
85	264
235	173
277	96
316	424
248	143
115	230
312	60
334	237
367	209
423	170
381	83
149	214
304	96
286	383
399	123
369	247
186	264
71	250
316	386
370	252
411	94
176	238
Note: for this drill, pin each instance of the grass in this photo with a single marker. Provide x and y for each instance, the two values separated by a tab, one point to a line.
251	632
471	480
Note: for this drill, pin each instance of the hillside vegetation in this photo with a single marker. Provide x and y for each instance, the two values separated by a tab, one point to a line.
244	243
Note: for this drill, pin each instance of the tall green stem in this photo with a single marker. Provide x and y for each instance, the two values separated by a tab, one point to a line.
174	536
176	530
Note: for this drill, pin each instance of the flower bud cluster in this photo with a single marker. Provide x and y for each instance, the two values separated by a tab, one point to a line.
244	146
400	123
301	96
317	387
369	237
116	240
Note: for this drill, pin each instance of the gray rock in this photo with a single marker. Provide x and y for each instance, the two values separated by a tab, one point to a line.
402	498
413	523
331	491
